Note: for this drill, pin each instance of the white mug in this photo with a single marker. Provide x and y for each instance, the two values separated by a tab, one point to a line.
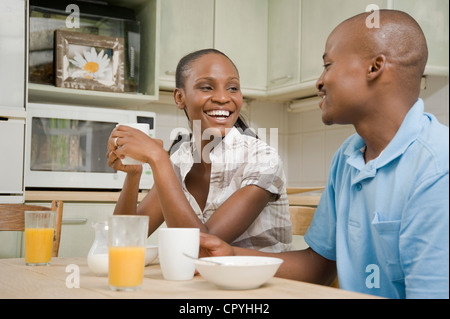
173	244
144	127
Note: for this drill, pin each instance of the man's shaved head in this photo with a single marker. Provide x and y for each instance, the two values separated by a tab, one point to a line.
399	38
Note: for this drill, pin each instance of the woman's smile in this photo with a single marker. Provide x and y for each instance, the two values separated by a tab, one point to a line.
219	115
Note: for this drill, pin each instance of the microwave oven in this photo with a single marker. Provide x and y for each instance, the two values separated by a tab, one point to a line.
65	147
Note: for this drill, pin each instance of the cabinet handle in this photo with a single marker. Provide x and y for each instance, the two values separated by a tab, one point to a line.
74	221
170	72
282	79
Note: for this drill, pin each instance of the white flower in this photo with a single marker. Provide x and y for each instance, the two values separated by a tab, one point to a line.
91	66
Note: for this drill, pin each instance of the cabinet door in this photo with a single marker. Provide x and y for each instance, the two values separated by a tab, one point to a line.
186	26
319	18
284	43
12	53
241	33
77	233
12	148
432	15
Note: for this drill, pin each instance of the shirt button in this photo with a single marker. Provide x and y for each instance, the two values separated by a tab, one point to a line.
358	187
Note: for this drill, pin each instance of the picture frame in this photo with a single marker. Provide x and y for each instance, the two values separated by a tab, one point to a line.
89	62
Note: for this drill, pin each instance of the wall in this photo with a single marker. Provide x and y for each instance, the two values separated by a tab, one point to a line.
311	144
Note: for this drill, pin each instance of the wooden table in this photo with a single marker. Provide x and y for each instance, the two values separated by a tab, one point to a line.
20	281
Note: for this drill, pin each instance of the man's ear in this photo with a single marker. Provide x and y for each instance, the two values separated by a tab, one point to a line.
178	96
376	67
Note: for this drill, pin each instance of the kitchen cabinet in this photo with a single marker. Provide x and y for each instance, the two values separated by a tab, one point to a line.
238	28
432	15
77	233
12	133
186	26
240	31
283	43
298	30
12	54
147	13
319	18
12	101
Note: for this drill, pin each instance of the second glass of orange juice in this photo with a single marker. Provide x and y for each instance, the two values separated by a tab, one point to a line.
127	236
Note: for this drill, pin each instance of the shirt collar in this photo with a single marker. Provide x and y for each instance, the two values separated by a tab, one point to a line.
405	136
184	156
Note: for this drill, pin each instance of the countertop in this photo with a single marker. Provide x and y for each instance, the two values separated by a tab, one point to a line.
299	196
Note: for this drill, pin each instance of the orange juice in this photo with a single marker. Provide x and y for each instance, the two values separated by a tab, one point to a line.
38	245
126	267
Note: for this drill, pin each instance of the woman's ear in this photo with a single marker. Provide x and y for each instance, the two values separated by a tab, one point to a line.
178	96
376	68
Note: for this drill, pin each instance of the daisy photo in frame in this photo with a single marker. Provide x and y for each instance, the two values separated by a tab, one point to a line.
89	62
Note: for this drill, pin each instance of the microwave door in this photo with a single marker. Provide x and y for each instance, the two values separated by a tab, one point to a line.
70	153
66	146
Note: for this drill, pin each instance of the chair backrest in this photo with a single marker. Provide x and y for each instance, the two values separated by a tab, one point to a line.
301	217
12	218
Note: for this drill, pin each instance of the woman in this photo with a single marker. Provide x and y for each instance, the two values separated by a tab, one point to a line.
223	182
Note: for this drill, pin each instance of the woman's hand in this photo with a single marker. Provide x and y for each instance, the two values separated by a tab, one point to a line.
128	141
113	159
211	245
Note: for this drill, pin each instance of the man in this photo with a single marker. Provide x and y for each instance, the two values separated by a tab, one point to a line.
383	219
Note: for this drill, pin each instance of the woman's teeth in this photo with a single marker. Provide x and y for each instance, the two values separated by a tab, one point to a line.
219	113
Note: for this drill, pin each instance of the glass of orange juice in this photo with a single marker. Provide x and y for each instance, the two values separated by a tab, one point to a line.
39	233
127	235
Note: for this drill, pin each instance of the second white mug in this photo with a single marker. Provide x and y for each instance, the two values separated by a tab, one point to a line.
173	244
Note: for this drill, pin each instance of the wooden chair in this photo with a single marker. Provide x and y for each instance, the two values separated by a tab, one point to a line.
301	217
12	218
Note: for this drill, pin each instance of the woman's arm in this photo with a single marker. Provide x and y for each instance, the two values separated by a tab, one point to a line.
238	212
127	201
128	198
229	221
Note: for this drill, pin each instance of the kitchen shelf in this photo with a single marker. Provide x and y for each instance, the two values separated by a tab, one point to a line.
148	14
39	93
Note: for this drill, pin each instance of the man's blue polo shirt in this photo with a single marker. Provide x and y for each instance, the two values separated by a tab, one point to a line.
385	222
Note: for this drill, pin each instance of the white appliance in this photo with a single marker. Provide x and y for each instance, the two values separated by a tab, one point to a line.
65	146
12	99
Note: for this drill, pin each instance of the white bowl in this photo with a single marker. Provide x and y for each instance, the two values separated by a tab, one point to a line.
238	272
151	252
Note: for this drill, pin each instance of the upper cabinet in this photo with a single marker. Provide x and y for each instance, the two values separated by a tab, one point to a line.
432	15
319	18
241	33
298	30
186	26
277	45
12	56
284	43
147	13
238	28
